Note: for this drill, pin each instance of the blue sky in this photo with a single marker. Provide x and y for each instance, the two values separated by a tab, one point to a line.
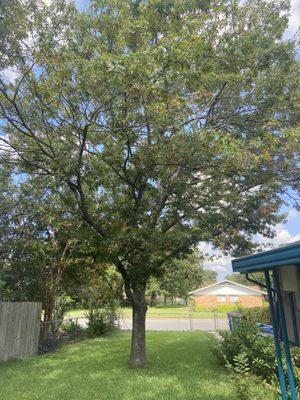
82	4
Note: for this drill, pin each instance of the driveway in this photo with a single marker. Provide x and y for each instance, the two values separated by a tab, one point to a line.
173	324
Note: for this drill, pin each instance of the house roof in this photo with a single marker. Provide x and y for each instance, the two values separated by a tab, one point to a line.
238	285
282	256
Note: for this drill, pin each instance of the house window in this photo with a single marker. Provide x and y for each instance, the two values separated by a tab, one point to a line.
221	299
234	299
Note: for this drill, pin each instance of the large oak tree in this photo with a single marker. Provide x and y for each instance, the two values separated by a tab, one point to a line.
168	121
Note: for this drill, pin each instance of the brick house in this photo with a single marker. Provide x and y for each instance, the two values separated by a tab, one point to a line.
227	292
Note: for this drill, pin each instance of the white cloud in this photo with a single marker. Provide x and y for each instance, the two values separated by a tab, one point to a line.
294	19
282	236
215	260
292	213
10	74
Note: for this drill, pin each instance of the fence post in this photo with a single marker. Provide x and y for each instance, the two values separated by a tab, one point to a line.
215	321
191	322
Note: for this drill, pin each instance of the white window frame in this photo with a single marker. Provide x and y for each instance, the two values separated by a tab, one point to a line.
221	299
234	299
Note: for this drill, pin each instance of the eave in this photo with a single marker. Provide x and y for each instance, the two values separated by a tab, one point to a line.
282	256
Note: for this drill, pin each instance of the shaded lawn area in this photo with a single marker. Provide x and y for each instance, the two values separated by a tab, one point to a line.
158	312
180	366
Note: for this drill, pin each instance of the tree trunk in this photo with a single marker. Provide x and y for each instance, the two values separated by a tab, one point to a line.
49	308
165	300
153	300
138	339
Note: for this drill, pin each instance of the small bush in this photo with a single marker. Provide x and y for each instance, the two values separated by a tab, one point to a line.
245	351
49	345
74	331
101	320
250	356
295	354
249	387
257	315
224	308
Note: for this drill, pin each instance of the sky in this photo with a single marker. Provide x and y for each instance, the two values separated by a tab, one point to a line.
287	232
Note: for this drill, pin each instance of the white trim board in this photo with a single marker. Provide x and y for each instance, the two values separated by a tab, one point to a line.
227	287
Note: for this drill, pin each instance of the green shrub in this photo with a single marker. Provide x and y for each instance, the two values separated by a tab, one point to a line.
257	315
101	320
224	308
51	344
253	314
74	330
249	387
247	355
295	354
245	351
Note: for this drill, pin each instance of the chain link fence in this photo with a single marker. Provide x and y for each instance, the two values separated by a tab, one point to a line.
191	322
52	332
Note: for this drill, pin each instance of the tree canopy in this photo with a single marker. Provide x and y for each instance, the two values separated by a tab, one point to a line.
184	275
240	278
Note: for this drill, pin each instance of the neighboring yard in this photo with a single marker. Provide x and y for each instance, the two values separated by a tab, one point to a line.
180	367
159	312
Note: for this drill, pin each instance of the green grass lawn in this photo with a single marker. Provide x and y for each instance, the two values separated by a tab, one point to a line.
159	312
180	367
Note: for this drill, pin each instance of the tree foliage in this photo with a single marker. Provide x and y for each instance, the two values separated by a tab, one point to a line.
179	277
184	275
43	248
241	278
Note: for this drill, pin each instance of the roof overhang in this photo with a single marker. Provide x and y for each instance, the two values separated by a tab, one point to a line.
226	281
282	256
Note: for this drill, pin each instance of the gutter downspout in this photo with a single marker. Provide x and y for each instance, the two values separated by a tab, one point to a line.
276	338
286	345
256	282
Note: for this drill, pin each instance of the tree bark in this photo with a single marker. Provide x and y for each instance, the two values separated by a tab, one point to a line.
138	338
153	300
48	312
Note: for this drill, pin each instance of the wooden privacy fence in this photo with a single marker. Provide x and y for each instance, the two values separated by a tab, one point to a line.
19	329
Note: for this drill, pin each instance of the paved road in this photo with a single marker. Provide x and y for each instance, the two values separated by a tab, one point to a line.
180	324
174	324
